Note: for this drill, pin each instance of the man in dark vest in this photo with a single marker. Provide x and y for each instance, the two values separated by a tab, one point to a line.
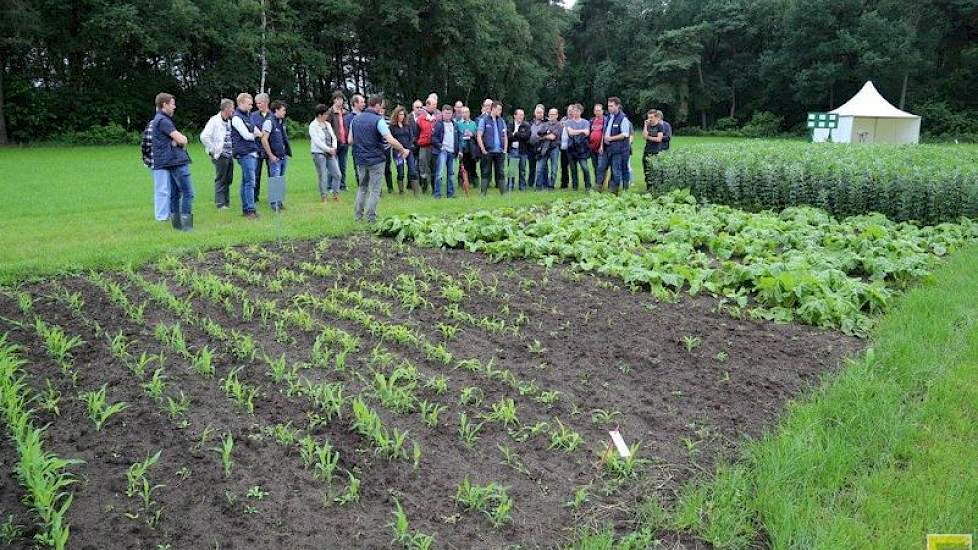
275	141
368	134
616	146
492	141
170	154
244	148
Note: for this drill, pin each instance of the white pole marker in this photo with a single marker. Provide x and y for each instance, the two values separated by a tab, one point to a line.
619	442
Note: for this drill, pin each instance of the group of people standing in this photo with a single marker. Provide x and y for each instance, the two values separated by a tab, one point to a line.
427	150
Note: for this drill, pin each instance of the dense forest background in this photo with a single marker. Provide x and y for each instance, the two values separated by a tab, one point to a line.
73	67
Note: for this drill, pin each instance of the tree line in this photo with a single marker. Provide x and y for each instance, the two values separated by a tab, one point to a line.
76	65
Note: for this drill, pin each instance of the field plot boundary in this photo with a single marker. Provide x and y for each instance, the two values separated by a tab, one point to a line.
881	455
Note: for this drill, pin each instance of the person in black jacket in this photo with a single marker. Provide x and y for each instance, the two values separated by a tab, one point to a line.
406	133
519	141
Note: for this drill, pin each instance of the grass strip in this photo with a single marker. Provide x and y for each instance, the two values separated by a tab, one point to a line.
878	457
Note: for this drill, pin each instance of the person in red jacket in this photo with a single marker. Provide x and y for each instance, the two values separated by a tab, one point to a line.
598	162
426	123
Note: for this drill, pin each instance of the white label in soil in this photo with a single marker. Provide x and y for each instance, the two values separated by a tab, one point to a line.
620	444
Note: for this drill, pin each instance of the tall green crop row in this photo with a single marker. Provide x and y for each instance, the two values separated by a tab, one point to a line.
928	184
801	264
41	472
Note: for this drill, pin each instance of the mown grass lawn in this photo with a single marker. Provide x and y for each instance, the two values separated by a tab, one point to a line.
89	207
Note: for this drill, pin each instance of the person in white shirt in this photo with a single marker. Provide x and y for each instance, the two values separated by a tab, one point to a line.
216	138
322	141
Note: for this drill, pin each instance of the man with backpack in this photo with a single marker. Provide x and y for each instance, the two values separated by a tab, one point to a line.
170	155
161	178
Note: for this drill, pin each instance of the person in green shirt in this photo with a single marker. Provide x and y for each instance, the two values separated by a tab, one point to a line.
468	129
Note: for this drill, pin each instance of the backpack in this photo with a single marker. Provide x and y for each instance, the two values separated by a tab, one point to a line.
147	145
666	136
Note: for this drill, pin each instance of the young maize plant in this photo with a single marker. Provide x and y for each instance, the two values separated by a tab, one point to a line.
352	493
49	399
98	407
504	412
402	532
396	395
468	431
136	474
156	387
203	362
620	467
58	344
227	445
243	394
491	499
430	412
41	472
564	438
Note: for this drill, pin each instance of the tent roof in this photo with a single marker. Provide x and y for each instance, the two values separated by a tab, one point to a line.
869	103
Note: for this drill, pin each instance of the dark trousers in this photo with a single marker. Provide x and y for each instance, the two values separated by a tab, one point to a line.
532	161
387	171
469	165
648	160
494	166
223	175
262	161
600	164
573	164
341	155
618	162
564	174
406	167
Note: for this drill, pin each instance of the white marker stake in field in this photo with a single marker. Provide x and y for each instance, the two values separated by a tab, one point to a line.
620	444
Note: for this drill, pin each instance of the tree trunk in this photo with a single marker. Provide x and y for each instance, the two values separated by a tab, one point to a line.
699	70
903	91
733	100
3	119
264	56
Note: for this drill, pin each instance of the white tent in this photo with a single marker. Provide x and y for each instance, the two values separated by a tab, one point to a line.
869	118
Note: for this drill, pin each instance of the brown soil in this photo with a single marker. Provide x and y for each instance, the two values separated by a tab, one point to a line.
687	382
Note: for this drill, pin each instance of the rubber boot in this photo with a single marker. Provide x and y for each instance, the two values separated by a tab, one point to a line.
186	222
400	186
175	220
414	188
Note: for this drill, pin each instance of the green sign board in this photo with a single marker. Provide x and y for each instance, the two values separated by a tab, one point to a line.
823	120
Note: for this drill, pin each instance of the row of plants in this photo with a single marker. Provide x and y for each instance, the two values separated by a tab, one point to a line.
43	474
801	264
928	184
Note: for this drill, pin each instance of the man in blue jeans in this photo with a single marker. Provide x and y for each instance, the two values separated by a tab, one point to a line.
244	148
275	141
368	133
616	144
492	140
170	154
548	150
446	139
